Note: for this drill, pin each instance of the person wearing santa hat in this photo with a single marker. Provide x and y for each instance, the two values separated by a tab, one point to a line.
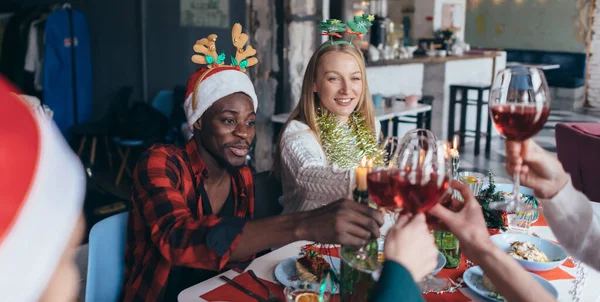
192	207
42	188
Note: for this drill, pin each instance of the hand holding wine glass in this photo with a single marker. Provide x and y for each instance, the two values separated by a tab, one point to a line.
539	170
519	106
409	243
423	180
468	224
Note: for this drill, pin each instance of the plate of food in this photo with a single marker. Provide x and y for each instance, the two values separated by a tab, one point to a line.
480	284
533	253
308	270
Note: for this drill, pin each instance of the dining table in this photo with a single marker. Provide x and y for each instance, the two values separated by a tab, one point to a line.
215	289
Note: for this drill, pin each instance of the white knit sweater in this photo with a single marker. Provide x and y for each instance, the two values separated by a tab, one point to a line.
308	179
574	223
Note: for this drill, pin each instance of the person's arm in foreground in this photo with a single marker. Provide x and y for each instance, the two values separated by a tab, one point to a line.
410	254
510	279
209	242
568	212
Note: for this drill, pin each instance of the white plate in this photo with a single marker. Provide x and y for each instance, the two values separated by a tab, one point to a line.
552	250
285	272
474	280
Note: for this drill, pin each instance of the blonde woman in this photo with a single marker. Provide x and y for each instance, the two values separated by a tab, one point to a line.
332	127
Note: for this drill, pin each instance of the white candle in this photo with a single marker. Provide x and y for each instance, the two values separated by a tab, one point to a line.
361	174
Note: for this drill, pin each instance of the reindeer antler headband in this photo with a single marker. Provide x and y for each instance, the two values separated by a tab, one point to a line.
243	56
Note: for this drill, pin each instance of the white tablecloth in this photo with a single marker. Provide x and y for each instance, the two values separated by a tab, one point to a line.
265	265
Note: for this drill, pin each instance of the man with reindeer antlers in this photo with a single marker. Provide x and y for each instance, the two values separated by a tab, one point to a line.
192	207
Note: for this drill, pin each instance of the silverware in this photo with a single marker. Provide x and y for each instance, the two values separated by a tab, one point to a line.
451	288
243	289
272	297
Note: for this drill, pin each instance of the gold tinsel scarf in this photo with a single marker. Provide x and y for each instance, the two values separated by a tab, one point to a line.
345	145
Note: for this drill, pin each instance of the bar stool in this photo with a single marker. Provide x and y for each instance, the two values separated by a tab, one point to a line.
465	102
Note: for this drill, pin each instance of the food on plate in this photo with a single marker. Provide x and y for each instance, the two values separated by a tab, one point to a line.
497	296
509	195
312	267
488	283
527	251
307	297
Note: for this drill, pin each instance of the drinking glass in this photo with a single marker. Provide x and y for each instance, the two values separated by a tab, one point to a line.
519	106
423	180
365	259
472	179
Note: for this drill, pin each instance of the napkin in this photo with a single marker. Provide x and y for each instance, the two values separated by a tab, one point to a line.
555	274
446	297
227	292
333	251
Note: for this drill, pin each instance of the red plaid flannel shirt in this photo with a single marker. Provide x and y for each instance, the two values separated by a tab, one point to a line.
162	229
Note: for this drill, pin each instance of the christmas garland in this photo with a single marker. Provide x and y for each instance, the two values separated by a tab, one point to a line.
345	145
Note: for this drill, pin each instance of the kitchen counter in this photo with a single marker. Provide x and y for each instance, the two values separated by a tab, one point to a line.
430	60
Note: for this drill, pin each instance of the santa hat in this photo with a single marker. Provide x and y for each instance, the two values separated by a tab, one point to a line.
42	187
206	86
217	80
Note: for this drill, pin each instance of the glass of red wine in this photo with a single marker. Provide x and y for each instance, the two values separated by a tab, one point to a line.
519	106
379	179
382	181
423	180
378	185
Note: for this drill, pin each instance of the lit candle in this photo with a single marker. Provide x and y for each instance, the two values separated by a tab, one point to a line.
454	151
455	156
361	175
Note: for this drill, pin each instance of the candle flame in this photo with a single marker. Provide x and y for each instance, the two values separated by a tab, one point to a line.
363	162
455	142
369	163
421	157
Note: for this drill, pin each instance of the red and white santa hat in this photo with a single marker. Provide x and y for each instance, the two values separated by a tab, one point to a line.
206	86
216	79
42	187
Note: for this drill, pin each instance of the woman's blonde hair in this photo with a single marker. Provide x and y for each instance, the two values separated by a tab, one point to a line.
306	110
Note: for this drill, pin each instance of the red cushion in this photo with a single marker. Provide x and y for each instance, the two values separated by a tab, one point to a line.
578	147
588	128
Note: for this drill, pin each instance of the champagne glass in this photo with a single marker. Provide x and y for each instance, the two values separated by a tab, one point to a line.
519	106
390	150
423	180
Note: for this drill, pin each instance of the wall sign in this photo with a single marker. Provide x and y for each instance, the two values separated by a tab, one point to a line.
204	13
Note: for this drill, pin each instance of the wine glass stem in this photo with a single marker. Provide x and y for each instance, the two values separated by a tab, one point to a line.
516	187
